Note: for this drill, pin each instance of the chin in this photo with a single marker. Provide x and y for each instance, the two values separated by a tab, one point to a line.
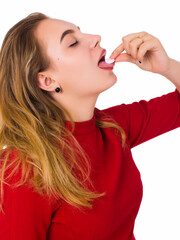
109	83
112	79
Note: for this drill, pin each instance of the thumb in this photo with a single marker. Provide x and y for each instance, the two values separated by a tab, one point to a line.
124	57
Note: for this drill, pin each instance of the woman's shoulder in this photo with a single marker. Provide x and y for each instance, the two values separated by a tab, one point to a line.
119	113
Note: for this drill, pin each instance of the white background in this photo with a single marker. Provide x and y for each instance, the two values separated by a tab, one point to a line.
158	160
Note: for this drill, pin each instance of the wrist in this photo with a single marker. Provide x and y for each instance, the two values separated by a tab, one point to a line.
173	72
169	70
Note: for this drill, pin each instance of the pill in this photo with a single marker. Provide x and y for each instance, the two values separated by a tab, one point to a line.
109	60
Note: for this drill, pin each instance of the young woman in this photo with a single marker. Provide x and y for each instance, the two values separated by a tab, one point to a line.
66	167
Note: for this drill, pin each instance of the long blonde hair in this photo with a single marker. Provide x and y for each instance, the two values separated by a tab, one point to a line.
33	123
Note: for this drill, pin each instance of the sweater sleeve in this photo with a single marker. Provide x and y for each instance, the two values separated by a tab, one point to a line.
145	120
27	214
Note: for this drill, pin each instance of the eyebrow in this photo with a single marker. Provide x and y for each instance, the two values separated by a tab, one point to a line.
67	32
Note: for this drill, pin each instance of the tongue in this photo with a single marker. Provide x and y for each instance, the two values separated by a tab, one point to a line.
103	64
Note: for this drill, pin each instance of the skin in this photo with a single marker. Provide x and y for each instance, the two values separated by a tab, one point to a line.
75	69
147	52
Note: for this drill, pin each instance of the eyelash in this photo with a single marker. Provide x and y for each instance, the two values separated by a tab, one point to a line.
73	44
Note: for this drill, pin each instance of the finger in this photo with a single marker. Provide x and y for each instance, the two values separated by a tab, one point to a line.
136	43
124	57
144	48
117	51
134	47
128	38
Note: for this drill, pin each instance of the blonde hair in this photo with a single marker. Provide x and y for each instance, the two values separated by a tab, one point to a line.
33	123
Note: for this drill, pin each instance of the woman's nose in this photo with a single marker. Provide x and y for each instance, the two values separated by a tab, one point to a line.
95	40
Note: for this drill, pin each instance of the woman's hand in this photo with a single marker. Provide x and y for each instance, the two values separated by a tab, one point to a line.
145	51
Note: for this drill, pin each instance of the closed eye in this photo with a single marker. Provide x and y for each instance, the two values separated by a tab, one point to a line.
73	44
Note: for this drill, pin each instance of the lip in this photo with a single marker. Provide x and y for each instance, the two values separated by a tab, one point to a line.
107	69
103	51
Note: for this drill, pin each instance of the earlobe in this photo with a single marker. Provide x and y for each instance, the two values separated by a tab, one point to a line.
58	89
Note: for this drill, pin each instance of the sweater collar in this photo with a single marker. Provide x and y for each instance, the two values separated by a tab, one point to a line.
83	127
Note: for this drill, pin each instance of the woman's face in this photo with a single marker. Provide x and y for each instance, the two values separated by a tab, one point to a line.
74	59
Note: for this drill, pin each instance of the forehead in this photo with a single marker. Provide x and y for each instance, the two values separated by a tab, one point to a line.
52	26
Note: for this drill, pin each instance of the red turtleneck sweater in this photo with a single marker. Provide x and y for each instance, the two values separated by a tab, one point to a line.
29	216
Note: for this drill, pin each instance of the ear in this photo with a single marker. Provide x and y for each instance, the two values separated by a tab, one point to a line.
45	82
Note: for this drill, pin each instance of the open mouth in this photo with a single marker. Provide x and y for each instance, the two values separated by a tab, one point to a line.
102	59
103	64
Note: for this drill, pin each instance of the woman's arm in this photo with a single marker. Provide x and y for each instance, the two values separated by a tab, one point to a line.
145	120
173	73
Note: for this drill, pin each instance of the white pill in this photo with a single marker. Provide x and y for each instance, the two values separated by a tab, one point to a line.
109	60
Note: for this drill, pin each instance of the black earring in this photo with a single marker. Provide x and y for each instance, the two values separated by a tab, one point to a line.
57	89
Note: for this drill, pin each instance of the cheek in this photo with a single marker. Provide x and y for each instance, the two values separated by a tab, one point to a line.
79	72
80	75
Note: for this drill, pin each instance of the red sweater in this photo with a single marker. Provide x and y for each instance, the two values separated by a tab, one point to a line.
29	216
